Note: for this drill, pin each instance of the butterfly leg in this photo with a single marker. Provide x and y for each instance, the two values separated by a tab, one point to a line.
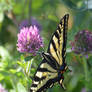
61	82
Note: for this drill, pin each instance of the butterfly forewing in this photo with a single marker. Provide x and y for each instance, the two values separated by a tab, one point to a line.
57	45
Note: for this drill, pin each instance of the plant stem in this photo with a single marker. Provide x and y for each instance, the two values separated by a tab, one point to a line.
86	72
85	69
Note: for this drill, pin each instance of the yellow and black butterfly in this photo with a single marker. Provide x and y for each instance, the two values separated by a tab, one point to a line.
53	65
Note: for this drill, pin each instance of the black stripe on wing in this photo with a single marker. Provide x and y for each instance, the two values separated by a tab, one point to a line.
38	79
65	36
50	60
50	83
43	70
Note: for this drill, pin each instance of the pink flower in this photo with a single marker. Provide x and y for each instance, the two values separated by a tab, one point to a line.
2	89
83	90
82	43
29	40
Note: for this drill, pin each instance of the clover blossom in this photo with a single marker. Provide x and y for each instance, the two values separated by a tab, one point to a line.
2	89
83	90
29	40
82	43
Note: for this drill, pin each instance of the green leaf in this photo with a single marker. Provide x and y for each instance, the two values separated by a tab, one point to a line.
28	58
13	71
20	63
1	16
1	77
12	90
21	88
4	53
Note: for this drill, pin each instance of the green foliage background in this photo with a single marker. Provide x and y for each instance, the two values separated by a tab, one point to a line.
14	71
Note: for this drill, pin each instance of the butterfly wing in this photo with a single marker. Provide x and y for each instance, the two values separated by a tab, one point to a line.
57	45
46	74
44	78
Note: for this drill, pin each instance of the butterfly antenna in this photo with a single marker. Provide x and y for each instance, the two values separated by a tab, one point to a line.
69	69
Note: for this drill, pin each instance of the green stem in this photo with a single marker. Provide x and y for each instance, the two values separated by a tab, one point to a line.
86	71
85	68
29	65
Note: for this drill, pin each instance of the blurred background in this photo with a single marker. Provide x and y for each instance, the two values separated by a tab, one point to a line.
14	77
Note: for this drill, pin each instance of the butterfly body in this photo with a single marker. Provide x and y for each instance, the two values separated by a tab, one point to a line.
53	65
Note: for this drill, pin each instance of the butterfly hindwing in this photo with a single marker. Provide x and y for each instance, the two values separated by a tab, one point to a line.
44	77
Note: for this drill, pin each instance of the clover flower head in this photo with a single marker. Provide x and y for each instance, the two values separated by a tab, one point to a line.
29	40
82	43
2	89
83	90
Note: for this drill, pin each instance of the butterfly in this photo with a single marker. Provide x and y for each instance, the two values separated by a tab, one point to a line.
53	65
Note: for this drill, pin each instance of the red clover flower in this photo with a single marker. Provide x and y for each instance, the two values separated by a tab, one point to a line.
83	90
82	43
2	89
29	40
